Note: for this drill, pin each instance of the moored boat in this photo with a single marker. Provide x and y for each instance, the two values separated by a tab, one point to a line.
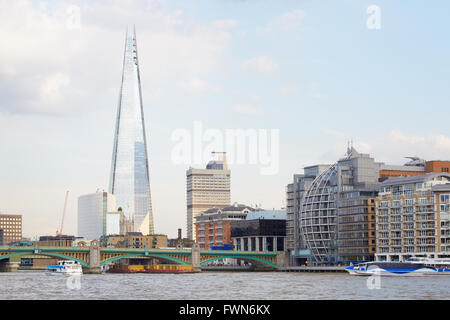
410	267
65	267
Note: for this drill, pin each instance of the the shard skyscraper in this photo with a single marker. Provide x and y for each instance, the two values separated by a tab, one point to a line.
130	180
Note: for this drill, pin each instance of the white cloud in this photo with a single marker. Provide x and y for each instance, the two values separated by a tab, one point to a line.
37	45
398	144
197	86
51	86
248	109
332	132
442	142
261	64
288	21
390	148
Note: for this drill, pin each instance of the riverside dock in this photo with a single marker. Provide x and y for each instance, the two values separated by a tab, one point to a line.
312	269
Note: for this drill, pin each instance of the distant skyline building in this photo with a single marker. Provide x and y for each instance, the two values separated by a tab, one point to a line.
11	228
92	214
205	189
130	179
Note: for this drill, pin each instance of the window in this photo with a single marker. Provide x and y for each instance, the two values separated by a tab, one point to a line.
397	203
423	201
444	169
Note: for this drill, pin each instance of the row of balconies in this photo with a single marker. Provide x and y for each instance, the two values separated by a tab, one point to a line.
403	226
407	249
401	215
401	203
406	242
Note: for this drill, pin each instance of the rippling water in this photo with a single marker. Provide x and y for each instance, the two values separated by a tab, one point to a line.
220	285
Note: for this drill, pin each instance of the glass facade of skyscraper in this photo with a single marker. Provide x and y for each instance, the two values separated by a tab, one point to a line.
130	181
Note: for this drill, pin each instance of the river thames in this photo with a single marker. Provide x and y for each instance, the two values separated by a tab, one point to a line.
32	285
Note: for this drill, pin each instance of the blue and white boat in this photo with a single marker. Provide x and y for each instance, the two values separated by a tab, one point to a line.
65	267
410	267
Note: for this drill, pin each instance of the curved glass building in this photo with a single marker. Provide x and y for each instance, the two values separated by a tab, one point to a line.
130	179
318	216
336	216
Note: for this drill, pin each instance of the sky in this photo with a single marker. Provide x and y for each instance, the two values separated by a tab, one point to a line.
317	72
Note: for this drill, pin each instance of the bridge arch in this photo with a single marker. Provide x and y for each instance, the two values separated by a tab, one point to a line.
252	259
149	255
46	254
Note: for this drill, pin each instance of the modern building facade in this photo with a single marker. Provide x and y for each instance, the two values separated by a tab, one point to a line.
205	189
212	226
130	179
296	246
11	226
92	213
335	220
413	217
262	230
356	225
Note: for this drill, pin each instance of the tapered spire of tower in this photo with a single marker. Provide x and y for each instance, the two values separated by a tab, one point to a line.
130	178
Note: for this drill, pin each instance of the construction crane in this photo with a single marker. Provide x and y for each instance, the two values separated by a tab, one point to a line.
58	233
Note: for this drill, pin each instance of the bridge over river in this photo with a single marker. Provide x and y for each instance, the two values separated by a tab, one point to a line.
94	257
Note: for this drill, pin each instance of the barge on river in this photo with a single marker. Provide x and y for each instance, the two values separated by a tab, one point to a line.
159	268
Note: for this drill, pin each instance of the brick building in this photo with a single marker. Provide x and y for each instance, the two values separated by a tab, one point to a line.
11	224
213	225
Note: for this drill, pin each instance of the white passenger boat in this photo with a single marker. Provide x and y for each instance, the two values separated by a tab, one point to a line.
65	266
410	267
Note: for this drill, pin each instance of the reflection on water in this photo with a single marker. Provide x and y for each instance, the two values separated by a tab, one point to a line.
218	285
